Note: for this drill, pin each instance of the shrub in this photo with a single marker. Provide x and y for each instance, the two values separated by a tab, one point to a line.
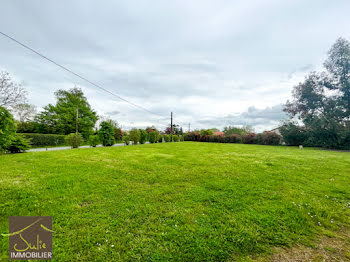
250	138
143	136
18	144
134	136
204	138
152	137
192	136
214	138
292	134
260	139
176	138
94	140
271	138
181	138
7	129
74	140
166	138
235	138
26	127
45	140
160	138
126	140
206	132
106	133
118	134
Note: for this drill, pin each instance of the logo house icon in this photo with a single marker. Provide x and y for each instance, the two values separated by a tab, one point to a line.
30	237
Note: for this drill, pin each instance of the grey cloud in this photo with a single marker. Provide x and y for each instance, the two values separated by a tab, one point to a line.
113	113
196	58
260	119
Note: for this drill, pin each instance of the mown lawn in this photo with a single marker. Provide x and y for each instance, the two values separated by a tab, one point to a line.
178	201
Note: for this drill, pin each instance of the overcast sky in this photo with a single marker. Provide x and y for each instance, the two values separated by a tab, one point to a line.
213	63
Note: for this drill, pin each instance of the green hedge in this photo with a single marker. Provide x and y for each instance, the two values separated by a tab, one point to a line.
43	140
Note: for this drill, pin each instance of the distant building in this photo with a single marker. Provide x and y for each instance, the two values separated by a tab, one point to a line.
218	133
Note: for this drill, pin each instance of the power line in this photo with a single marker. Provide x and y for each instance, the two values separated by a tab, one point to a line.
79	76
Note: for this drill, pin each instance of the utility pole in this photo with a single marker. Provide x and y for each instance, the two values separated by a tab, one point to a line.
171	122
76	122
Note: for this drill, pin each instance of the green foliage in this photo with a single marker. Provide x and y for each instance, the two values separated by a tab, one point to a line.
235	138
106	133
18	144
218	202
7	129
166	138
45	140
153	136
118	134
160	138
126	140
26	127
293	135
322	103
192	136
74	140
134	136
176	138
250	138
94	140
182	138
61	118
206	132
231	130
271	138
143	136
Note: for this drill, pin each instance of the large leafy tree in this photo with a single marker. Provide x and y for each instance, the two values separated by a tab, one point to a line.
322	101
61	118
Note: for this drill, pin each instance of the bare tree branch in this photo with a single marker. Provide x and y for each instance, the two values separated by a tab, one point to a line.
11	93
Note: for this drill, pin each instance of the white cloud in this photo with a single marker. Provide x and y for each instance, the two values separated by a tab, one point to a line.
207	61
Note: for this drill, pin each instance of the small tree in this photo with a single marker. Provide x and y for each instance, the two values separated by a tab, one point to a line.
143	136
7	129
18	144
118	134
152	137
74	140
126	140
94	140
134	135
106	133
166	138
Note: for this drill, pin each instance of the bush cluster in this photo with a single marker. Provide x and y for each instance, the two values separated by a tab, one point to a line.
74	140
126	140
94	140
18	144
134	136
266	138
44	140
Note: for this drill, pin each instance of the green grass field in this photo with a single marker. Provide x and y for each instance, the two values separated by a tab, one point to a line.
180	201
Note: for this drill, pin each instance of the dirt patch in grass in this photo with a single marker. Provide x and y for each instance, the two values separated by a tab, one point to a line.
335	248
